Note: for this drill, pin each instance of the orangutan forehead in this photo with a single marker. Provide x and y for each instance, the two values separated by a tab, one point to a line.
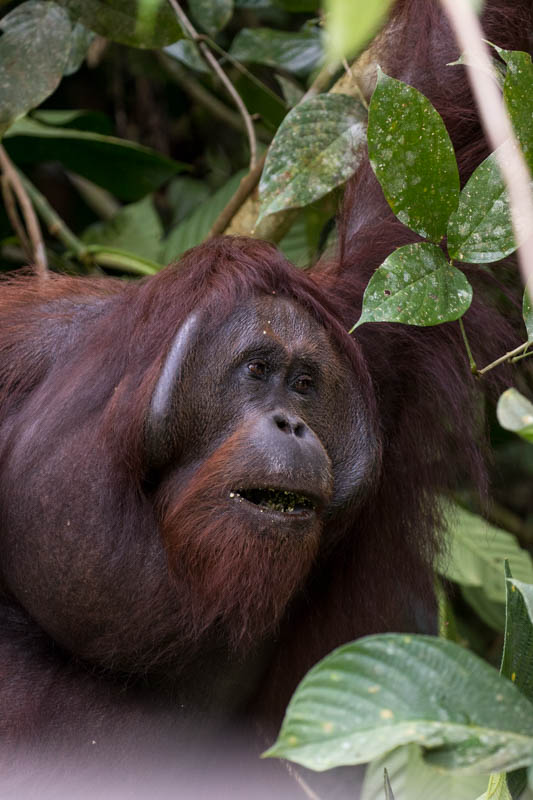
278	319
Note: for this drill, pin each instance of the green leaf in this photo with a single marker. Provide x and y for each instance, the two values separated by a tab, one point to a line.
527	313
135	229
477	552
184	194
417	286
497	788
295	244
297	6
352	23
519	98
388	788
295	52
187	52
480	230
292	92
126	169
412	156
515	413
194	228
79	119
211	15
316	148
412	778
35	46
120	260
80	40
518	644
488	610
387	690
138	23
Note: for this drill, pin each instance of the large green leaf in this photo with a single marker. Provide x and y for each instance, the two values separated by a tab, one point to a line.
412	156
139	23
316	148
125	168
295	52
352	23
34	51
412	778
416	285
194	228
476	554
515	413
136	229
480	230
80	40
384	691
211	15
519	98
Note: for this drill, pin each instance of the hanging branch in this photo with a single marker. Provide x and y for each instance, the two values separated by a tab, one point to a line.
496	124
215	66
31	238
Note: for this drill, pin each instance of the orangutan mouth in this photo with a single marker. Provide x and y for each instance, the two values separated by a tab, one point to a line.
276	500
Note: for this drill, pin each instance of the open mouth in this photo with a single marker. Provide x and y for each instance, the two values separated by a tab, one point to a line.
276	500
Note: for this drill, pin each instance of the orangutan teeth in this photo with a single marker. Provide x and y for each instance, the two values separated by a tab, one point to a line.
275	500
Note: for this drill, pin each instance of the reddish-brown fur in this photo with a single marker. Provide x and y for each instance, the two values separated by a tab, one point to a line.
369	570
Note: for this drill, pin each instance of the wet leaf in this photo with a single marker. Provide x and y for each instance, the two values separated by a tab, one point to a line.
412	156
352	23
416	285
480	230
296	52
35	45
316	148
138	23
211	15
387	690
515	413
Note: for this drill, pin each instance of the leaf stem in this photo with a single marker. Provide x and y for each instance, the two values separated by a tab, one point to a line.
217	69
13	180
473	367
506	357
56	226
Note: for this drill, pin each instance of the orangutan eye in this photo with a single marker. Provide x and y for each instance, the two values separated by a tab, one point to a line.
302	384
257	368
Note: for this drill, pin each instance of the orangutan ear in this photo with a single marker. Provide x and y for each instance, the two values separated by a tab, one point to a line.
162	429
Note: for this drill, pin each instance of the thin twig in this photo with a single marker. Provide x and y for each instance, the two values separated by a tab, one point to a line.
13	177
246	187
13	216
506	357
496	125
355	82
215	66
524	355
471	361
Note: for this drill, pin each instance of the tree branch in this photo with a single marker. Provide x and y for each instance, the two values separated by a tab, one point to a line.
215	66
13	180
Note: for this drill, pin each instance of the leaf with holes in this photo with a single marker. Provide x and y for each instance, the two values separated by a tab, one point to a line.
35	45
412	156
316	148
383	691
416	285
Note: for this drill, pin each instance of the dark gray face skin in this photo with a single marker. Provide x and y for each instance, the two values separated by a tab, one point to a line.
271	363
84	555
